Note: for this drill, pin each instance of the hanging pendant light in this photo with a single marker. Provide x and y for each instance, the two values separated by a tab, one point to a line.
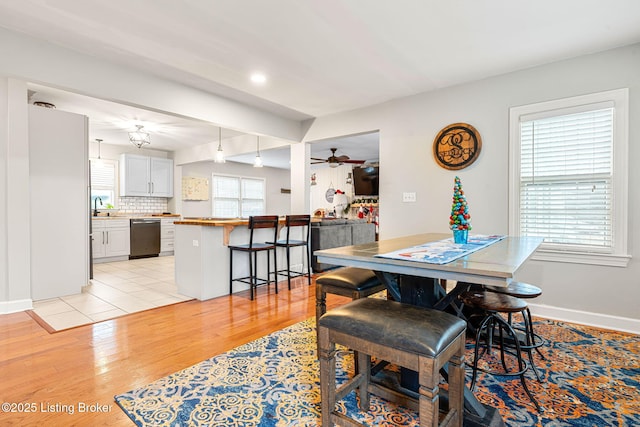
257	163
139	137
99	141
219	154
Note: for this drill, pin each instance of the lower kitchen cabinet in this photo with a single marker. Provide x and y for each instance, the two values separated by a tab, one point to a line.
110	238
167	230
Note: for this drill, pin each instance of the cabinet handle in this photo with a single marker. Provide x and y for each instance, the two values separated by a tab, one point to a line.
153	188
107	237
103	237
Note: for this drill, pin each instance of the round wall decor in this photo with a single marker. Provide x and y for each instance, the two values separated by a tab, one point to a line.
457	146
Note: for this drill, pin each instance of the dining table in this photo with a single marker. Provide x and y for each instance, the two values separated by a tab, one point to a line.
411	280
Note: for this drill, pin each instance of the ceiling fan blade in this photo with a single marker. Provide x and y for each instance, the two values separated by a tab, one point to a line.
321	160
342	158
357	162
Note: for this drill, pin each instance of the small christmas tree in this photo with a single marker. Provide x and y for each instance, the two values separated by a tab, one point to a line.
460	218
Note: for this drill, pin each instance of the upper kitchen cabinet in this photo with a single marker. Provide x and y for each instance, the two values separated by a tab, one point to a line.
146	176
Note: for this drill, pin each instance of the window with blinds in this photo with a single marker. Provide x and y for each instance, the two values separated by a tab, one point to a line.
566	179
568	176
104	182
235	197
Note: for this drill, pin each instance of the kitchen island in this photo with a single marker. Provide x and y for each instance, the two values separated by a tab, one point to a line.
202	255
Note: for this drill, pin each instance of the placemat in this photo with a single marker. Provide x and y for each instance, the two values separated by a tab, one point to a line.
443	251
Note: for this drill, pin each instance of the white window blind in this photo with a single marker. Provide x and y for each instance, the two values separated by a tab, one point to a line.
226	196
566	179
103	182
235	197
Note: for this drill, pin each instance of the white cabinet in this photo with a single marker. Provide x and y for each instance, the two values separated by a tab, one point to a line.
110	238
145	176
167	231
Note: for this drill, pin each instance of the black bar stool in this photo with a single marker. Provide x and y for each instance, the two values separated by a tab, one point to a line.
252	248
492	304
291	222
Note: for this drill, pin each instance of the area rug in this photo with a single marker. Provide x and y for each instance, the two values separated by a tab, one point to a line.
592	378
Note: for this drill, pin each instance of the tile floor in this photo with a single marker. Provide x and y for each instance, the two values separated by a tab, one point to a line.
118	288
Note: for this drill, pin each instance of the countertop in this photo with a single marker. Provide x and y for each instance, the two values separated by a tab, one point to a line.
125	216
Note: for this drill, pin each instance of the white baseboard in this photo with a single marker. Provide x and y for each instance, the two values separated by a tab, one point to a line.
605	321
15	306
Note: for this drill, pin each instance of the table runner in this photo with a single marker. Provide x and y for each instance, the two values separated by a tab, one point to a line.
443	251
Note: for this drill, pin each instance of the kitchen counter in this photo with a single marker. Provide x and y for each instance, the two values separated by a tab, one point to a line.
202	255
228	224
125	216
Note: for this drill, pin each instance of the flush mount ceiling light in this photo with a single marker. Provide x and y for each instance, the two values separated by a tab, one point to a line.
139	137
257	163
258	78
219	154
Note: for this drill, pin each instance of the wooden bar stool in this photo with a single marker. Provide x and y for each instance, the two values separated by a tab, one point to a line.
252	248
291	222
493	304
351	282
417	338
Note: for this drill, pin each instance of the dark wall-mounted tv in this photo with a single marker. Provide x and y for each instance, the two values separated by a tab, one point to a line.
365	180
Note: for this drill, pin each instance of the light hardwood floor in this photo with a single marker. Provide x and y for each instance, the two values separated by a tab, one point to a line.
90	364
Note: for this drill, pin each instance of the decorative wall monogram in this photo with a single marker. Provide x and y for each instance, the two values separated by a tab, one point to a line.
457	146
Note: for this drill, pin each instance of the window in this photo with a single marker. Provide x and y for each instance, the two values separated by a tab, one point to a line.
235	196
568	177
104	183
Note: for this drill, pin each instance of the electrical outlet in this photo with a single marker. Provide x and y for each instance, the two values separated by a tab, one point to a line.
409	197
196	243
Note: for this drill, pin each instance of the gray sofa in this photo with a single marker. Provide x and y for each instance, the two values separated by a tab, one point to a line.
333	233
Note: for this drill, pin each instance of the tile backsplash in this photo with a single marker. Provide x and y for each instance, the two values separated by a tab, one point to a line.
142	205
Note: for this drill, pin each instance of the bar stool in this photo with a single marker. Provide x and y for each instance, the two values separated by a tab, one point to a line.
492	304
416	338
252	248
525	291
291	222
351	282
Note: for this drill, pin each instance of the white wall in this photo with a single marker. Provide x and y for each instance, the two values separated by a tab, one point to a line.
277	202
330	177
409	125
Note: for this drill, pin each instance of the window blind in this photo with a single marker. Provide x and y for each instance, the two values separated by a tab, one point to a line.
103	174
235	197
566	179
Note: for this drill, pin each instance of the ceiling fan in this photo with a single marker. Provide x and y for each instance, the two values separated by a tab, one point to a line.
335	161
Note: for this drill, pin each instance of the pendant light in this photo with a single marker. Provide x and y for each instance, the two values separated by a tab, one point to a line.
257	163
219	154
99	159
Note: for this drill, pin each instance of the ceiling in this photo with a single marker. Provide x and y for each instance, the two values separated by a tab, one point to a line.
319	58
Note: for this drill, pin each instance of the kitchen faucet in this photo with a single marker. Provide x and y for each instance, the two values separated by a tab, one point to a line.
95	205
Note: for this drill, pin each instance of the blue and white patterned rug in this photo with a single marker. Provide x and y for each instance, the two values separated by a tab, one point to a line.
592	379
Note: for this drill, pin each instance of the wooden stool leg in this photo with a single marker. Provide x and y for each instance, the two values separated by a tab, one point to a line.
363	390
429	378
456	382
321	308
327	355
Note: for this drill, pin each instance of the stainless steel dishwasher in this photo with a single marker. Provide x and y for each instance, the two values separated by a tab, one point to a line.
144	237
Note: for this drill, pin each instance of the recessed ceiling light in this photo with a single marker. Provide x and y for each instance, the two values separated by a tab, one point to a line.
258	78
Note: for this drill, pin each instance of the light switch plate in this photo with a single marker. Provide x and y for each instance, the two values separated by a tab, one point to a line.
409	197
